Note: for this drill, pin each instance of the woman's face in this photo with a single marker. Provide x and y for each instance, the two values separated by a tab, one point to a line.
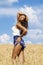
21	18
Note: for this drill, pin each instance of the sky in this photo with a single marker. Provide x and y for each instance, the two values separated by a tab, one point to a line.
8	18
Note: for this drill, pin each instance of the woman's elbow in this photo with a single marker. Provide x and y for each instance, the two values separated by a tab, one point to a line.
26	30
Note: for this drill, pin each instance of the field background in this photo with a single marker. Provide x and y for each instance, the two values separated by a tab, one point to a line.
33	54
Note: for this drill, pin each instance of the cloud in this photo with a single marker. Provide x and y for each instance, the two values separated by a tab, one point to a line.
35	31
4	38
7	2
32	15
11	1
8	11
28	42
35	35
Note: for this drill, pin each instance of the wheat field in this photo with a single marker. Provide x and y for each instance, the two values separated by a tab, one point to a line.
33	54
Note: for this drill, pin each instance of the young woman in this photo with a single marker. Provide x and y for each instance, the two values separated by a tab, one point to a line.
20	30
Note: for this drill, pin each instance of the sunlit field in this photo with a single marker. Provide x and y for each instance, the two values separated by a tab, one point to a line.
33	54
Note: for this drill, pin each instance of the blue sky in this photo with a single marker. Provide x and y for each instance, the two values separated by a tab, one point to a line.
8	12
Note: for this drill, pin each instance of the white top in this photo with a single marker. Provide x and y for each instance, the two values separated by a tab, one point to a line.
15	31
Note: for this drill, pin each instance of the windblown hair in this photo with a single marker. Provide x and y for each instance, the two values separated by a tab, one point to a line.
25	21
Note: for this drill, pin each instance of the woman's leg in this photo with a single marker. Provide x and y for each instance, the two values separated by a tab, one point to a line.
21	57
16	51
13	53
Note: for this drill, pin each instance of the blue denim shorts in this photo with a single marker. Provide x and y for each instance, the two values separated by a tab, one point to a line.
21	42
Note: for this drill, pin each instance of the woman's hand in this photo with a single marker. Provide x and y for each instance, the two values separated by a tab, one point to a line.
18	39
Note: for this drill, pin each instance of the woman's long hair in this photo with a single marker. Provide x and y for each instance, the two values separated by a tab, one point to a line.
24	23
